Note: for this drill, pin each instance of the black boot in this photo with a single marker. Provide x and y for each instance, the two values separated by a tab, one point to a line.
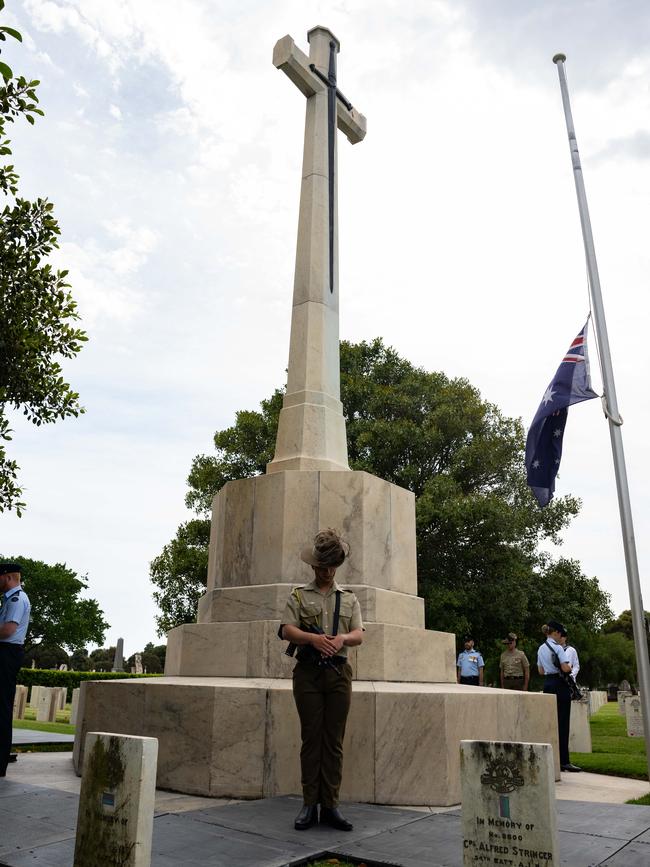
332	816
307	817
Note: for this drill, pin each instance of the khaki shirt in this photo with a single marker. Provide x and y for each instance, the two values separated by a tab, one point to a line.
513	663
307	605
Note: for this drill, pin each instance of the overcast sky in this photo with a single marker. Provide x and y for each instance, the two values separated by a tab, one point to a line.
172	150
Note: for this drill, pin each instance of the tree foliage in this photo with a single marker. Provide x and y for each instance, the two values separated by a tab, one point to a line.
38	311
60	617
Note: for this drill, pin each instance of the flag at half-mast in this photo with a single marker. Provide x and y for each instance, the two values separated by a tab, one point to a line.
571	384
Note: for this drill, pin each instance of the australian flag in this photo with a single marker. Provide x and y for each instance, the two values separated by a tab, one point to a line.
570	385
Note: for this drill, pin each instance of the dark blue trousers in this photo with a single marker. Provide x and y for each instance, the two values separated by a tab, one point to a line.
555	685
11	657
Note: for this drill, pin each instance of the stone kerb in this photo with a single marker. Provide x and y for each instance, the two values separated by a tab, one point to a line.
260	524
580	730
508	804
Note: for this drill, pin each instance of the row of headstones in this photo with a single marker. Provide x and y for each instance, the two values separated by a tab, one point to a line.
597	698
629	706
46	701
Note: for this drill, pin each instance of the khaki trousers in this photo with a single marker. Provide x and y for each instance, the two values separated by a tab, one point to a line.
513	682
322	698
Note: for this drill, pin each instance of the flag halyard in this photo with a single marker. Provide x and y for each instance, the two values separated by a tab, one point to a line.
571	384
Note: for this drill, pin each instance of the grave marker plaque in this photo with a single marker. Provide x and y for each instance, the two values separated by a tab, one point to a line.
508	804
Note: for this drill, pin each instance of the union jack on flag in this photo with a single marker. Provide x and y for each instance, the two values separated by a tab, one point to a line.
571	384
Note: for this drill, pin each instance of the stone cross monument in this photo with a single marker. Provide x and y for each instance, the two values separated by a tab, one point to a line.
311	430
224	713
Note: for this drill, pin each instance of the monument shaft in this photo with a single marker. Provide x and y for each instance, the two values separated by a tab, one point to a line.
311	431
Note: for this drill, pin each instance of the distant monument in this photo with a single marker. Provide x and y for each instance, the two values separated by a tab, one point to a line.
224	714
118	659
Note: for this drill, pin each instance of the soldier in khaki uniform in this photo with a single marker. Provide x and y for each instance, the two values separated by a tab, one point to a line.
322	677
514	666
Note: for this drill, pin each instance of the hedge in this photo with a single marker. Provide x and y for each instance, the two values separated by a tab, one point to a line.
70	679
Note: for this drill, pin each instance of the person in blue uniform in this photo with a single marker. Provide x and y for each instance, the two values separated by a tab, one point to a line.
550	655
470	665
14	620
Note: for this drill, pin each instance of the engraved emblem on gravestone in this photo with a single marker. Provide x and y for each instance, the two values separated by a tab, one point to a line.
502	775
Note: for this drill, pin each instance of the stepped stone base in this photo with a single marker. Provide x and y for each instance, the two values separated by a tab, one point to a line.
253	649
240	737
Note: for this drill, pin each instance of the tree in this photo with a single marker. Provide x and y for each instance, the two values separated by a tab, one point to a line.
478	527
102	658
37	308
46	656
79	660
59	616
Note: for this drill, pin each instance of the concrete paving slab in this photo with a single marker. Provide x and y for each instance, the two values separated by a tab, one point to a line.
632	855
618	821
20	737
599	788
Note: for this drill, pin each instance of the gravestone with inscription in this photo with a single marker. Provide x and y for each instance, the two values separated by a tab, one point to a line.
116	801
634	717
508	804
621	697
48	704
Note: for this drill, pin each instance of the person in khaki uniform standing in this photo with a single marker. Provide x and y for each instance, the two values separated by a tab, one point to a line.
322	677
514	666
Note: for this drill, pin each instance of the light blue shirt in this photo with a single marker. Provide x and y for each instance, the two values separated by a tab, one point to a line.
15	608
545	656
469	662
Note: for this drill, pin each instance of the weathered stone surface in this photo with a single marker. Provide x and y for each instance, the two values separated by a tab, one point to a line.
240	736
622	695
116	802
260	524
253	649
20	701
597	698
48	704
75	706
634	716
508	804
580	730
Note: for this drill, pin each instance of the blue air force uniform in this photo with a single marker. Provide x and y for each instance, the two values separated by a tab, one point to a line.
14	609
547	655
469	664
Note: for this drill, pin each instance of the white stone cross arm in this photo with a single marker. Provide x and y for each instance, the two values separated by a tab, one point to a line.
296	65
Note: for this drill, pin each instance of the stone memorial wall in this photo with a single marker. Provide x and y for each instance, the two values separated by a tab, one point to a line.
508	804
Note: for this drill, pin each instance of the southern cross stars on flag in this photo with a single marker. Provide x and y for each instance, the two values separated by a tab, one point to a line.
570	385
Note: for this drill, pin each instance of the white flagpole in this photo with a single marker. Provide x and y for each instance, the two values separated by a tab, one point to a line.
611	411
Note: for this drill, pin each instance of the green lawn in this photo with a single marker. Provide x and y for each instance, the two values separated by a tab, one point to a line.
614	752
58	727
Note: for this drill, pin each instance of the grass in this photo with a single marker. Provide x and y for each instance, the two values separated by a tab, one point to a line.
57	727
613	752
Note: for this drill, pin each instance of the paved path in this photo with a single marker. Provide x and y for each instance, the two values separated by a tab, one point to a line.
38	810
32	736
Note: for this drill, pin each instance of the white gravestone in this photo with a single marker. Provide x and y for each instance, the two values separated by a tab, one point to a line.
48	703
634	717
62	692
580	730
116	802
622	695
33	696
20	701
508	804
138	664
75	706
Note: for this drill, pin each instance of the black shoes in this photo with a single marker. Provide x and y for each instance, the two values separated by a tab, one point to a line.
307	817
573	768
332	816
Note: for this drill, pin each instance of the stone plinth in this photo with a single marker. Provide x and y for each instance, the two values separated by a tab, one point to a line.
580	730
116	802
240	737
508	804
260	524
252	649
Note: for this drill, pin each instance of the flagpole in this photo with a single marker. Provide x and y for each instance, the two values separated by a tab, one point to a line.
611	410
